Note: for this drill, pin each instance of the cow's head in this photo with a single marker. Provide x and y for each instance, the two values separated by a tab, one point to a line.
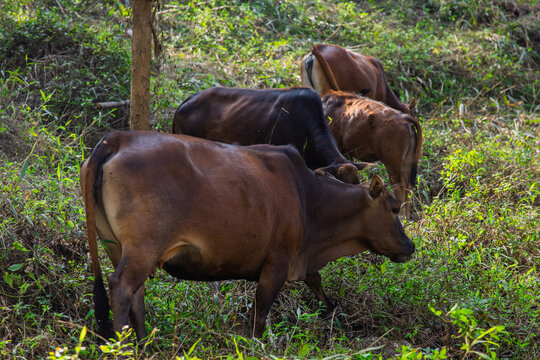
382	229
347	173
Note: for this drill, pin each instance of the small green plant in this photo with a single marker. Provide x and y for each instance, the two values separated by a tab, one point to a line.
63	353
474	339
188	356
409	353
121	347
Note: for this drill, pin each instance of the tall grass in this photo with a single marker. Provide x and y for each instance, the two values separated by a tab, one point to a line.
470	292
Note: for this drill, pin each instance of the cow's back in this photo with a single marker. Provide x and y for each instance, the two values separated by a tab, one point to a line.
344	70
364	127
261	116
235	116
351	72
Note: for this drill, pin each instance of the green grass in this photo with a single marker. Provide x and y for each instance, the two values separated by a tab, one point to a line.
471	290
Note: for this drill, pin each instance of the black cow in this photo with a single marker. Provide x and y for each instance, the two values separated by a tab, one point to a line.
270	116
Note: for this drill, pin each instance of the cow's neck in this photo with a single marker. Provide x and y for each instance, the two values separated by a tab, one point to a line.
322	150
335	223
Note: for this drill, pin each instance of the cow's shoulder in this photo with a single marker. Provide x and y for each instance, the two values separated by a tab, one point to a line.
327	49
281	160
299	92
374	61
307	99
282	153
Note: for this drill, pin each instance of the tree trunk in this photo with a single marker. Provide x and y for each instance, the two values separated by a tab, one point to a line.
141	56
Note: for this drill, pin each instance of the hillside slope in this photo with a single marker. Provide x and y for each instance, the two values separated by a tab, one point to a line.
473	287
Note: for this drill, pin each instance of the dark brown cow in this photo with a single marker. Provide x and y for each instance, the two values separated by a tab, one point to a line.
270	116
332	68
369	130
210	211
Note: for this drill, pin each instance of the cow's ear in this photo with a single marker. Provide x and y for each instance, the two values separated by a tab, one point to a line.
346	173
375	187
326	172
330	169
363	165
412	106
319	172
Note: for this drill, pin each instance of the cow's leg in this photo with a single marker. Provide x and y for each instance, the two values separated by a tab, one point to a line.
407	207
406	184
313	281
127	292
399	183
271	280
113	250
403	188
401	193
408	170
136	313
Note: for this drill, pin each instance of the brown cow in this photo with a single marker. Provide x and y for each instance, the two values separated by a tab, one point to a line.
266	116
210	211
332	68
369	130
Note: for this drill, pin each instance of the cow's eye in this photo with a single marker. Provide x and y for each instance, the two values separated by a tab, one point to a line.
395	210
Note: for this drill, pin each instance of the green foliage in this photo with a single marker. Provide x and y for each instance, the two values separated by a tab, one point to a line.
62	352
73	63
472	64
472	336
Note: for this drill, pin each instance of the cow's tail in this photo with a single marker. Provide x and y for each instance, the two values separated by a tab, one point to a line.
325	66
101	153
417	149
308	65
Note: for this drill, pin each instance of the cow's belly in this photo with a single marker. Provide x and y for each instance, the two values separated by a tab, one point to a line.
365	156
355	146
190	262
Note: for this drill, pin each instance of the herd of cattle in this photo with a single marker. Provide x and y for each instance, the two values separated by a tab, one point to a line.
276	210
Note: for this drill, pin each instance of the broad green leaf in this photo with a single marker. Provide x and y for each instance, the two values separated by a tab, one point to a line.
15	267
